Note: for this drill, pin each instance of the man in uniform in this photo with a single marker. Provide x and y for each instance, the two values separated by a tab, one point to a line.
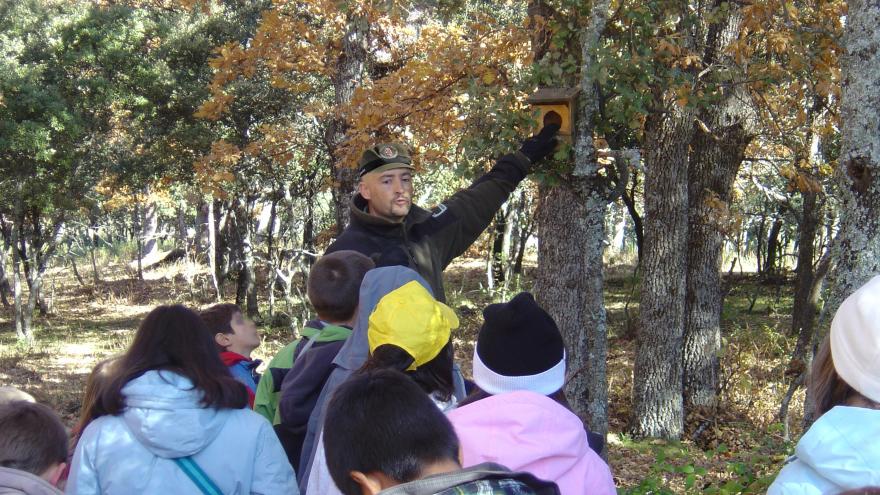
387	227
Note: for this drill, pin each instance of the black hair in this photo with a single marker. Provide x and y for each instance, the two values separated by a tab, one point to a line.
32	437
434	377
381	421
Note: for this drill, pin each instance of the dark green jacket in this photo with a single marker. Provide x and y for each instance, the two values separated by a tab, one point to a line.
269	389
427	241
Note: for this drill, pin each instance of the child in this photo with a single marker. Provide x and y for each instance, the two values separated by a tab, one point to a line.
519	417
840	451
236	338
33	449
174	421
409	331
384	435
332	288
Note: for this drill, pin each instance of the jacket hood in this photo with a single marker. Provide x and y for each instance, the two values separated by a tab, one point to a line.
842	447
377	283
164	412
526	431
324	332
14	481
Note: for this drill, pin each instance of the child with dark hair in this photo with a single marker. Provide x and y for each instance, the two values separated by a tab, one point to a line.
408	331
236	337
519	417
174	421
384	435
33	449
840	451
289	389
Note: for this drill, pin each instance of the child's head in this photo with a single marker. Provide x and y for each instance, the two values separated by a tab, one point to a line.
91	407
32	439
845	371
232	330
410	331
334	284
519	347
175	338
382	430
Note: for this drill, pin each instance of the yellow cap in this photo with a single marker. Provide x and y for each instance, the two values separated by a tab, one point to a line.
411	319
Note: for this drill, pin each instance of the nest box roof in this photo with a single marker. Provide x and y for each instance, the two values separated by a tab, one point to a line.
547	96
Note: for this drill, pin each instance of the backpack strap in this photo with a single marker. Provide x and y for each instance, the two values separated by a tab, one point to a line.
198	476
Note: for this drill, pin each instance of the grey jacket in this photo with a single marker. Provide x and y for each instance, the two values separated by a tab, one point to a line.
354	353
16	482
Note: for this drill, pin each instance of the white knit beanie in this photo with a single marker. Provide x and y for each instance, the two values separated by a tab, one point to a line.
855	340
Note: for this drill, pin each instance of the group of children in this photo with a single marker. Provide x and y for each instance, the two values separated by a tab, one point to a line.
369	400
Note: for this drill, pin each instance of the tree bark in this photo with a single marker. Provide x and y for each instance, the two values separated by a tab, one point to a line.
5	287
770	261
806	301
22	332
571	240
658	374
348	76
717	151
629	200
246	295
212	247
858	174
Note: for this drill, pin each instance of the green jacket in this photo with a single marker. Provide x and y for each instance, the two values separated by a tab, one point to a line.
427	241
269	389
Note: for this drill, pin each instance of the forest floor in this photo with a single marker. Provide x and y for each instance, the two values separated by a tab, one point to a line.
737	448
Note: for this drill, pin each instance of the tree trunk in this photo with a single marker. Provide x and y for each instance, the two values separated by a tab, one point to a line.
498	256
22	331
136	229
246	295
658	374
149	227
806	307
5	288
212	247
770	261
571	241
717	151
638	226
347	77
858	246
92	233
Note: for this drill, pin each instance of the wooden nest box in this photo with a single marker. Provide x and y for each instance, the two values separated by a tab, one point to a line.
557	106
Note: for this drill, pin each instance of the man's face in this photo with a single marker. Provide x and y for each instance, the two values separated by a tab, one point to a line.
388	193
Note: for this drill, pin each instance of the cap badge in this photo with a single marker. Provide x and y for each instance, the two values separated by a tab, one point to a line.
387	152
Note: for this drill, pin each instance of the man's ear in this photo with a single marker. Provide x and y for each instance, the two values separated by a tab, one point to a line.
369	483
363	189
222	339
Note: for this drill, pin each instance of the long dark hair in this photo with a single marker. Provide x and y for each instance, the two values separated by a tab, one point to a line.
91	407
175	339
434	377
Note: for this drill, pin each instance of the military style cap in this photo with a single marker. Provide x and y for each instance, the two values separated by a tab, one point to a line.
384	157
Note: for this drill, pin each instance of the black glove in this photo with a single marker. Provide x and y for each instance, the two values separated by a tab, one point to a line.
541	144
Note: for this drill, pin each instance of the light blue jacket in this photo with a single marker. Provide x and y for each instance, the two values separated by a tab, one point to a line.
163	420
840	452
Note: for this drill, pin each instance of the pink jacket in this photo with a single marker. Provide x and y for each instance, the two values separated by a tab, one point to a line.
525	431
